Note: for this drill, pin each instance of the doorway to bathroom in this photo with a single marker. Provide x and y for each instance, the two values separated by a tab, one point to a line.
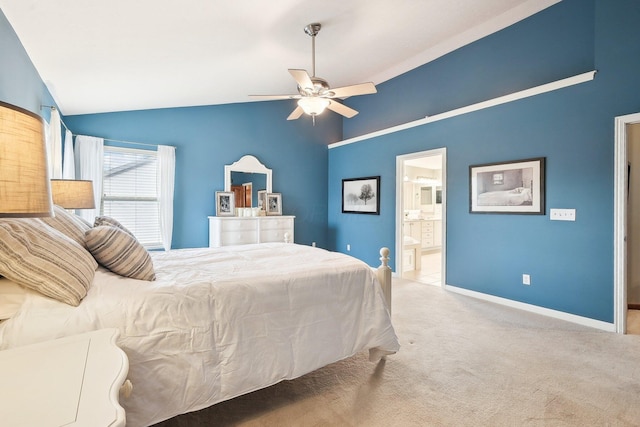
420	216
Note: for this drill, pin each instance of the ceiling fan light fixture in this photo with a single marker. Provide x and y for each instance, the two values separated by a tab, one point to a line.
314	93
313	105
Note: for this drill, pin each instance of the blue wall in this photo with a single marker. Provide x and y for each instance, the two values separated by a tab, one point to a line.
207	138
20	83
570	263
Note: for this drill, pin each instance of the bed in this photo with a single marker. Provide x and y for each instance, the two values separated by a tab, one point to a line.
515	197
216	323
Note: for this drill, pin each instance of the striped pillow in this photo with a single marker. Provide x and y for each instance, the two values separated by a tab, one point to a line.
120	252
107	220
41	258
68	224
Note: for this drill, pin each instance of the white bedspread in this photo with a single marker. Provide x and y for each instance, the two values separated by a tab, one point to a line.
218	323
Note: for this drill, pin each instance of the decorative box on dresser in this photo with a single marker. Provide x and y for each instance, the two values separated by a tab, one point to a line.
72	381
227	230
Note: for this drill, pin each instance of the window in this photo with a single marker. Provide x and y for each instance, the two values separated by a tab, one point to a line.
130	192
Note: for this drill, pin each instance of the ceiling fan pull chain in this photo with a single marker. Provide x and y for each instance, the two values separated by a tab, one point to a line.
313	55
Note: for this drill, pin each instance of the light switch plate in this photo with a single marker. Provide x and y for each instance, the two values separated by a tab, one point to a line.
562	214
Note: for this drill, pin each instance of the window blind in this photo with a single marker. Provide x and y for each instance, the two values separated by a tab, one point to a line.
130	192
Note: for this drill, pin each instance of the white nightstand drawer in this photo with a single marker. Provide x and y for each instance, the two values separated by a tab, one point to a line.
65	382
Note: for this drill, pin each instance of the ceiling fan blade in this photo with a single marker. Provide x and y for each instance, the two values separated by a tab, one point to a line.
268	97
353	90
339	108
295	113
302	78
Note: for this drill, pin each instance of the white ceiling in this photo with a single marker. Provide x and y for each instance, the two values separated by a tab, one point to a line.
114	55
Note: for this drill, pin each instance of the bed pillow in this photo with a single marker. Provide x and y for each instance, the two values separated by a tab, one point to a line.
107	220
86	223
37	256
12	296
68	224
120	252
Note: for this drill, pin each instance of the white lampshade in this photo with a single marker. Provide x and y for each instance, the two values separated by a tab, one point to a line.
24	176
73	193
313	105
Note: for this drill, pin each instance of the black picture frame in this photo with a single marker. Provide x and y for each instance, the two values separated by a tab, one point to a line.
361	195
512	187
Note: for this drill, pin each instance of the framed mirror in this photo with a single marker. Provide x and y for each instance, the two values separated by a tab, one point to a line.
247	172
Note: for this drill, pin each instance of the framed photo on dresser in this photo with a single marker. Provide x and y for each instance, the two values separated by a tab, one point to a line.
262	200
225	203
273	204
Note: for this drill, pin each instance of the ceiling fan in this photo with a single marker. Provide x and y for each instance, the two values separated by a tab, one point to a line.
314	93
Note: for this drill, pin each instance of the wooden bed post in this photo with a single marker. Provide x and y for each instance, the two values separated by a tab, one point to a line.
384	276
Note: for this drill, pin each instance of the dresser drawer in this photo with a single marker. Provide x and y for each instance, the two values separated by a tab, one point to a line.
239	225
276	223
267	236
237	238
225	231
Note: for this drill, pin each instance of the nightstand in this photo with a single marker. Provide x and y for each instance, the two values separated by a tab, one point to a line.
71	381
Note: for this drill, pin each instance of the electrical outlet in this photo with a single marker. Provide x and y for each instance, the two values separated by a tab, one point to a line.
313	244
562	214
348	247
526	279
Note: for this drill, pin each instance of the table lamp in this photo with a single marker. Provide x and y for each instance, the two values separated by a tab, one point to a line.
73	193
24	180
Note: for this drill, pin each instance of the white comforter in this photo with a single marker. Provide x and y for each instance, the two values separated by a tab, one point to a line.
218	323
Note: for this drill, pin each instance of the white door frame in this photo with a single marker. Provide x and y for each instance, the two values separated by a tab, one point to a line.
400	202
620	221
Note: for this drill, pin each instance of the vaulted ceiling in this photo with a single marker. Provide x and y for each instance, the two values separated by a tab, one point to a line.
99	56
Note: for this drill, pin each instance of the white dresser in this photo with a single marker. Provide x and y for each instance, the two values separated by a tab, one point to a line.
72	381
230	230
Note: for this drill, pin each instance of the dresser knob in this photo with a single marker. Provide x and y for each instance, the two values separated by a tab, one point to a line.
126	389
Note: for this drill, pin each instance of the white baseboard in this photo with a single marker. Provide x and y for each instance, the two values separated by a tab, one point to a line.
584	321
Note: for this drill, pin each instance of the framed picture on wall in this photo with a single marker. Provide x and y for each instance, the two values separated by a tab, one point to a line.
516	187
361	195
225	203
273	203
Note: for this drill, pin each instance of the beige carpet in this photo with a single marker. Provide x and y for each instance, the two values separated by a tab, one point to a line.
463	362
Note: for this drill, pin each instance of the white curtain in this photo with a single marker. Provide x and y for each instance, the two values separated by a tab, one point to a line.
89	163
165	184
54	145
69	164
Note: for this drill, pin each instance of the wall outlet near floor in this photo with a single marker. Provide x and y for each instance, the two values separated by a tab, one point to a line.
526	279
348	247
562	214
